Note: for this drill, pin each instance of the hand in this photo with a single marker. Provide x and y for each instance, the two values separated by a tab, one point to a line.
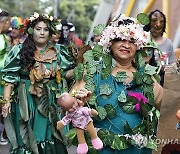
6	109
83	96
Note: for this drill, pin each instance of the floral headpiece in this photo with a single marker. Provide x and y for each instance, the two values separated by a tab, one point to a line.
51	21
118	28
16	22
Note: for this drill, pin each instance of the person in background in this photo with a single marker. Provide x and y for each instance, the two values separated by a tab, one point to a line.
157	27
34	74
121	88
56	37
17	33
4	49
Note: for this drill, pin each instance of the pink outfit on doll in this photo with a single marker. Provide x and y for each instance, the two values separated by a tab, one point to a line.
80	117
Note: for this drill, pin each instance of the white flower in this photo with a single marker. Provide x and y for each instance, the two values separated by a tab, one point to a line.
51	18
140	140
31	19
1	10
46	16
36	15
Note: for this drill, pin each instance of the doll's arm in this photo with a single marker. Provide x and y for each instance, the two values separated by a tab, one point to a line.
89	112
94	112
65	121
59	125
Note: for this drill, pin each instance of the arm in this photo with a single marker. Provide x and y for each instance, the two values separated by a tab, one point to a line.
158	93
7	94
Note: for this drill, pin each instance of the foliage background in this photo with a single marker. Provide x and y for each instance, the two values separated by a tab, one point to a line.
80	12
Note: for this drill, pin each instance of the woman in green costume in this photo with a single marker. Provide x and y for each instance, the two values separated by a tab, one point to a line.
4	49
34	75
124	91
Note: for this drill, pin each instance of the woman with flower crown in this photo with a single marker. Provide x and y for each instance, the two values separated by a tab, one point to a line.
124	90
34	76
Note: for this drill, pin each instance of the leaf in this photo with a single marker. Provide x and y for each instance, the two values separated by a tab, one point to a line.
127	128
30	30
88	77
78	71
91	67
43	101
88	56
105	89
137	78
105	73
151	145
110	111
92	100
71	135
119	143
90	86
122	97
151	70
128	108
101	112
107	60
147	79
121	76
143	18
97	51
98	29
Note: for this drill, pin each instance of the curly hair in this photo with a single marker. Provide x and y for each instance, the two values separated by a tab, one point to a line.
148	27
28	47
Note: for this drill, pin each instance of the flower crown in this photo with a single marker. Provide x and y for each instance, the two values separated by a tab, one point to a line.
51	21
125	28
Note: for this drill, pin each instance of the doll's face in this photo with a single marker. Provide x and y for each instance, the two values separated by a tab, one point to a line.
67	102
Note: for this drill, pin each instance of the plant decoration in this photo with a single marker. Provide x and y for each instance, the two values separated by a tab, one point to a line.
142	135
50	20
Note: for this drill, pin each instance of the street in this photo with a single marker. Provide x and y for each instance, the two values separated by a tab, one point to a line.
4	149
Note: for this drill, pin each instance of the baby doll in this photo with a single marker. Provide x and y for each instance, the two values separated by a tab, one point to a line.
81	120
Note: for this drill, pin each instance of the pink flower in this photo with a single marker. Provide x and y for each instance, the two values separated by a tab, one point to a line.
140	97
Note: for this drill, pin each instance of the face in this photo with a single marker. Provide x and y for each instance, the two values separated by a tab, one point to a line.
15	33
41	33
157	24
7	24
123	50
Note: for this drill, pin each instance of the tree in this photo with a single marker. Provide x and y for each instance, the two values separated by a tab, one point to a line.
22	8
80	13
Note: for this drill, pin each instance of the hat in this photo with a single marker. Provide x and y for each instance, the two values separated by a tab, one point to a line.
16	22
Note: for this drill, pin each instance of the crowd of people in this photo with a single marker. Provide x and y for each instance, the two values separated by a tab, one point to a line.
121	78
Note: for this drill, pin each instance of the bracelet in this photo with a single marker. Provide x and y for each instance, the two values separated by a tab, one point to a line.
5	101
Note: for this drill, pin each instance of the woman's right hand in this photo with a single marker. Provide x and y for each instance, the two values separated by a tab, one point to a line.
6	109
82	96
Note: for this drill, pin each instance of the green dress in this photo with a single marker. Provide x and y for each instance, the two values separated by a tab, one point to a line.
31	125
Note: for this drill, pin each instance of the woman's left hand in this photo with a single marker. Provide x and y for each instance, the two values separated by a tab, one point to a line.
83	96
6	109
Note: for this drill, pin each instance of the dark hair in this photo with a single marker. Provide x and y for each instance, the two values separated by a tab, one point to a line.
152	61
27	53
4	14
148	27
29	46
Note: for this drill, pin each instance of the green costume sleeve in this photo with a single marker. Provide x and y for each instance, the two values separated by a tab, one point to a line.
65	58
11	66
